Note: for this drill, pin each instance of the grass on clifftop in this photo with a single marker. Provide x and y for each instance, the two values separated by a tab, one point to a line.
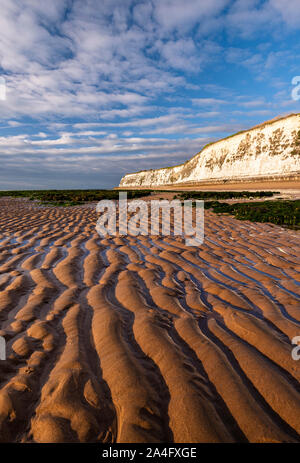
284	213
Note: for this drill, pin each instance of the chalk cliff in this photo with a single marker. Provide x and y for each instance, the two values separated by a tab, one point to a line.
270	150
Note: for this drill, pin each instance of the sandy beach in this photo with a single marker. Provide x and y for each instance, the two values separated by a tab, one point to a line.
143	339
288	186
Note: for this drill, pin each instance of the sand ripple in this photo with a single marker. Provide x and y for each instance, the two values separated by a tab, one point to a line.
142	339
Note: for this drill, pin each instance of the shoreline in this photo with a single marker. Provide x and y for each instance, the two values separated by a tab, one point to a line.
275	185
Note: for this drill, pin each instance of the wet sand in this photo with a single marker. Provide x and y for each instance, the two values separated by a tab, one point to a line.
143	339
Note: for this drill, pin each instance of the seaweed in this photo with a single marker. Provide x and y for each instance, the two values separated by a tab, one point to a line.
284	212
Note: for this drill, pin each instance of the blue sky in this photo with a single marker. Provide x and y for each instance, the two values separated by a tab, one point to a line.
96	89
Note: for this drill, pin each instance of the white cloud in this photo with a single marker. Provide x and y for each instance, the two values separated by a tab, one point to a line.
180	54
127	80
176	14
289	11
208	101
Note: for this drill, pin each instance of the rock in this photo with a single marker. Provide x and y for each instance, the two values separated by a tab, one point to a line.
268	151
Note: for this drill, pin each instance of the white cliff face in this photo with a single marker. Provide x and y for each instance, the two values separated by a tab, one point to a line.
269	150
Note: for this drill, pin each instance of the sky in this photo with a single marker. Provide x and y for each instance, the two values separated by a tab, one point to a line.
93	89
